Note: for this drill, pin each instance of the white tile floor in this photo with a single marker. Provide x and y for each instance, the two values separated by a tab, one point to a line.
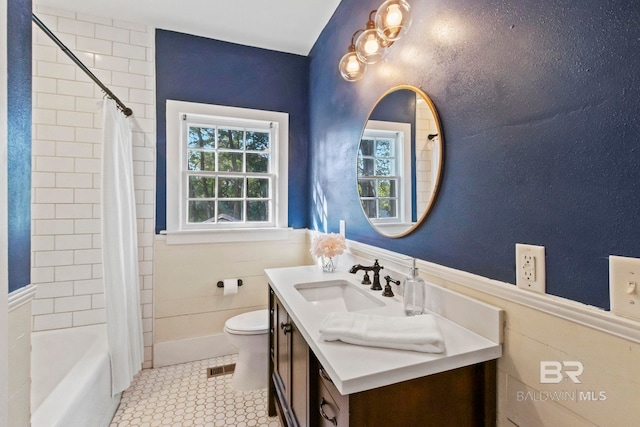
182	395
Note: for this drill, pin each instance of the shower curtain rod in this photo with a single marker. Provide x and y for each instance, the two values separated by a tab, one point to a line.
125	110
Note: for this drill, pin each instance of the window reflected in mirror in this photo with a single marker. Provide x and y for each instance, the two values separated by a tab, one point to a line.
399	161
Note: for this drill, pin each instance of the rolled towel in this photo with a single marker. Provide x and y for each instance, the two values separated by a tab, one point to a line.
418	333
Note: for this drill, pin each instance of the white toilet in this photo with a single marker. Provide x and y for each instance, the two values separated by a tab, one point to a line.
248	332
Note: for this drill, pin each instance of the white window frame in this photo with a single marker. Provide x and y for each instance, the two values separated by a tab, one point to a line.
403	167
178	230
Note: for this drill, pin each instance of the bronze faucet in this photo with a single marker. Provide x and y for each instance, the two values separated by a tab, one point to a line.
376	274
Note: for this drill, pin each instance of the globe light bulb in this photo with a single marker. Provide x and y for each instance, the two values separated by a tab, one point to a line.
393	19
370	47
394	16
353	65
351	68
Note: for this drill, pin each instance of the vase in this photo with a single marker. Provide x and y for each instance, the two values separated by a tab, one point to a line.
329	263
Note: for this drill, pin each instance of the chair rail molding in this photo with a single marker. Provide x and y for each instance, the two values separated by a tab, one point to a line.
21	296
563	308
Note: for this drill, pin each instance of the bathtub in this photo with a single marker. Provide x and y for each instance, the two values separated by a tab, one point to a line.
71	378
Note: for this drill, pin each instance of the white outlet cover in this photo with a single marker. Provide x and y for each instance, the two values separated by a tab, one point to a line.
524	279
624	286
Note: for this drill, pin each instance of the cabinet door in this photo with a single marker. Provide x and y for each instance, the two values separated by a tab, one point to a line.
299	377
282	350
273	330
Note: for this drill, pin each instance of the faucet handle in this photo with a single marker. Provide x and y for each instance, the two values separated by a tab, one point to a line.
388	292
366	280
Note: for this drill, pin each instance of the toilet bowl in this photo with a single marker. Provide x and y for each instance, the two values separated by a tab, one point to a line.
248	332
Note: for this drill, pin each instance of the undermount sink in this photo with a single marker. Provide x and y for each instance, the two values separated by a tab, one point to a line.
337	295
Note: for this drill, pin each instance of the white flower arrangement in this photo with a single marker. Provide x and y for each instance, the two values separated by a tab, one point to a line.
327	245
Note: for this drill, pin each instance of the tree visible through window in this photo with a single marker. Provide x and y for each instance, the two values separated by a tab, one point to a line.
229	173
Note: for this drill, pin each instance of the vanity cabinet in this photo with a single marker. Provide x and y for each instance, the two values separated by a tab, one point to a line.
303	394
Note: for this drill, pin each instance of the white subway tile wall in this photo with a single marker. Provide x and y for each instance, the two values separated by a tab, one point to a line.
67	121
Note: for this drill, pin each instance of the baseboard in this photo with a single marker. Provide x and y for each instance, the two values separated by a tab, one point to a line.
191	349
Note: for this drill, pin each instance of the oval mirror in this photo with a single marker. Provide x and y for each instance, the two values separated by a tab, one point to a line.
399	161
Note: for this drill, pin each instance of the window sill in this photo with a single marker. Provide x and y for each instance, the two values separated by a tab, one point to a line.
225	236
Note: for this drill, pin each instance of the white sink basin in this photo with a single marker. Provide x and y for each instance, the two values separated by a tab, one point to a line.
337	295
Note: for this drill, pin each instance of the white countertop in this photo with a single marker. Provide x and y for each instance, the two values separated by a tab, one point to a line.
356	368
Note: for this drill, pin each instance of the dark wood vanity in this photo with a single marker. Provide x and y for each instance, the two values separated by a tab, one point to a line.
303	394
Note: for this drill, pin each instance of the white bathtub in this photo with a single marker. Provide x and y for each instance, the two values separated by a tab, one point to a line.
71	378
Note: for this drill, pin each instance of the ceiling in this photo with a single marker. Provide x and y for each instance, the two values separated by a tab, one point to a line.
283	25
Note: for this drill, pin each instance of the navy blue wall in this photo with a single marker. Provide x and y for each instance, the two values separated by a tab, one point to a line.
19	142
195	69
540	108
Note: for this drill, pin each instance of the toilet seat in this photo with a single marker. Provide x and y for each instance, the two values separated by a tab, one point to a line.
250	323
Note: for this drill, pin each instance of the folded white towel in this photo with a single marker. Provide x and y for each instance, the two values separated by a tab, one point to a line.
418	333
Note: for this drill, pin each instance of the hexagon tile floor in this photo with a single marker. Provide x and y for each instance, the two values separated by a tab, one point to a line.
183	396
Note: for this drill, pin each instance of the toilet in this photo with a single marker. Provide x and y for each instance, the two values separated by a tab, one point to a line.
248	332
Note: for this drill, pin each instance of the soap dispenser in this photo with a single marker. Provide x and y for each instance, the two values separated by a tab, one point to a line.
415	290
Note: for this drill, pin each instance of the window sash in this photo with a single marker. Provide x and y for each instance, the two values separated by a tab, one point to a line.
215	150
371	204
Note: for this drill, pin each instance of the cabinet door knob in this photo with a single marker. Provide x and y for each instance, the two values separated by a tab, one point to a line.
286	327
324	414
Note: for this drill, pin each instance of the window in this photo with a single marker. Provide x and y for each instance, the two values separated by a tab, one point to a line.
227	175
226	169
378	174
383	175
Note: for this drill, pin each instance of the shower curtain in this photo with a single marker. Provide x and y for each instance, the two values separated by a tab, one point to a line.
120	250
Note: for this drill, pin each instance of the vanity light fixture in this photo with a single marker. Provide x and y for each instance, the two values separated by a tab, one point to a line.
392	20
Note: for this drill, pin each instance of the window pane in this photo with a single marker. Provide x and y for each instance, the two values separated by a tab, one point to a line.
202	187
366	188
231	139
202	137
257	141
257	188
230	162
229	211
387	208
201	161
230	187
383	167
366	147
257	210
257	162
387	188
202	211
368	168
384	188
384	148
369	207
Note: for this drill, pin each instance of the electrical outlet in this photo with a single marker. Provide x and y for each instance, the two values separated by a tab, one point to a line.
530	271
624	286
529	267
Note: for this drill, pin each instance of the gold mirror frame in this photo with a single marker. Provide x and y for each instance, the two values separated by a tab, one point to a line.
390	212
